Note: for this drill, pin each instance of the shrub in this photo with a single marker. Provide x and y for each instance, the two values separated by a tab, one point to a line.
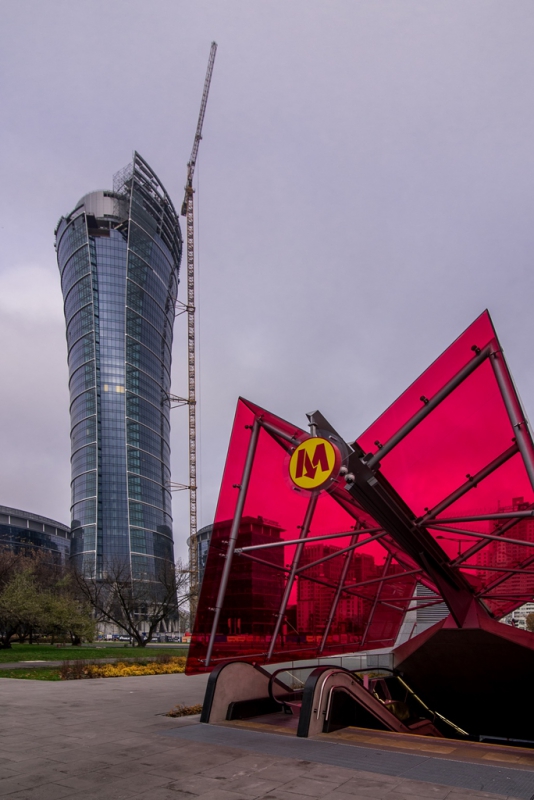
122	670
184	711
77	670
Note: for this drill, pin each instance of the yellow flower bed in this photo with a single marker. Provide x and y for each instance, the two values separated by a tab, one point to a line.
124	670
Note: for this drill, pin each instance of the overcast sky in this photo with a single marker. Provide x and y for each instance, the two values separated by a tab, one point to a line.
365	188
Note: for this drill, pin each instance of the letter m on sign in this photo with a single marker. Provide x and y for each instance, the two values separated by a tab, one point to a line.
307	467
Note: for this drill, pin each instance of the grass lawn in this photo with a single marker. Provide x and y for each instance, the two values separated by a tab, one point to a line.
46	652
31	674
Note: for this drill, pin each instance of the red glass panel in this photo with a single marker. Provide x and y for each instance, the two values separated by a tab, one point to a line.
351	590
460	437
315	620
449	363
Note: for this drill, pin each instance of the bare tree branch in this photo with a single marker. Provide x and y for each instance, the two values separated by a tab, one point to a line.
132	603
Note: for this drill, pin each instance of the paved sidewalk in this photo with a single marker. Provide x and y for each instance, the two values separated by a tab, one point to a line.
103	740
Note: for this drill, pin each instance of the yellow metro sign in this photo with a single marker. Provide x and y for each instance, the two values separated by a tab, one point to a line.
314	463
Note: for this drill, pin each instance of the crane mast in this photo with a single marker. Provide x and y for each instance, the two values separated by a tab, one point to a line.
187	212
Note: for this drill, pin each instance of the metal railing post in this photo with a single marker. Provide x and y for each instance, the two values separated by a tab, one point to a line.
243	488
291	577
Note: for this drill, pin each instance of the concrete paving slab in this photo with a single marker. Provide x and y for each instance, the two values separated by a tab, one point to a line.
104	739
312	788
45	791
448	773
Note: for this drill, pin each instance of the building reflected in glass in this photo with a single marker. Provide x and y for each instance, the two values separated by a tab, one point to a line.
119	256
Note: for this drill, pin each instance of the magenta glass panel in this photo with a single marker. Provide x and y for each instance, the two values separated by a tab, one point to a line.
460	437
314	621
351	591
449	363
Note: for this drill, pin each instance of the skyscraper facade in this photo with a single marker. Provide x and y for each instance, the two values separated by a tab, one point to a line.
119	256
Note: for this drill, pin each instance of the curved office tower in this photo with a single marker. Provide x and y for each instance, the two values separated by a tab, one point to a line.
119	255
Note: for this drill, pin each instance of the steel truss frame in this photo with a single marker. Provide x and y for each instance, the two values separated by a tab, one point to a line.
407	539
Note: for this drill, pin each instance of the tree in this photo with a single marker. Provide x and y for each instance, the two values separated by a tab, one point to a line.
19	604
10	563
36	596
529	620
135	602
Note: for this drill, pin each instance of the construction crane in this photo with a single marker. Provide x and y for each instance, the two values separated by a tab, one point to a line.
187	212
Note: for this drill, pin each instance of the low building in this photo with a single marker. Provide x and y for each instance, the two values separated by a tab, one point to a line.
518	617
22	529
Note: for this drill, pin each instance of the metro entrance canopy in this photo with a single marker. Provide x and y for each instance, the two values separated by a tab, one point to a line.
318	544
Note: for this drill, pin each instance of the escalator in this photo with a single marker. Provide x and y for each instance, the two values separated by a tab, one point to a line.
334	698
311	700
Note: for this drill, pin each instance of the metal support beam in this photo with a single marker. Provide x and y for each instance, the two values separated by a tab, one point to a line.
517	596
374	493
482	517
497	582
291	577
272	429
508	570
414	598
515	412
479	545
284	542
320	582
287	570
438	398
387	562
337	596
340	552
471	483
234	531
489	536
390	579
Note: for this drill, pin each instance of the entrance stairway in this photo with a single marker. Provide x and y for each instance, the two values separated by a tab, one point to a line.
309	701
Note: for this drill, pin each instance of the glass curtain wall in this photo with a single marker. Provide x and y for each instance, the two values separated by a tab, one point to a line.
119	256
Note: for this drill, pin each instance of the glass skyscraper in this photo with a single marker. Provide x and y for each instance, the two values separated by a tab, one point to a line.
119	256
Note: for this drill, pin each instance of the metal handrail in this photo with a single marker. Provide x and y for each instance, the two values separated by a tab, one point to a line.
272	679
351	694
329	671
355	675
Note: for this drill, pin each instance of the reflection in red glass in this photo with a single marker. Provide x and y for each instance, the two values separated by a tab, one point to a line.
316	574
